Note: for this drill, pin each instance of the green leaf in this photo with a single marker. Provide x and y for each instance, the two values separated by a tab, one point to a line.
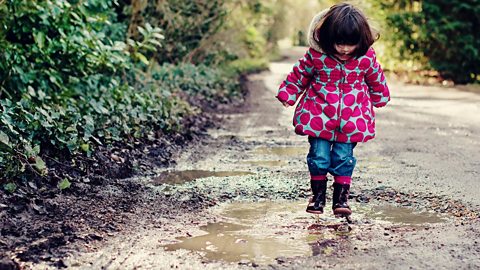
70	129
89	127
39	39
76	16
155	42
142	30
10	187
148	27
36	149
40	165
85	147
119	46
131	42
98	106
8	122
158	36
4	139
64	184
142	58
31	91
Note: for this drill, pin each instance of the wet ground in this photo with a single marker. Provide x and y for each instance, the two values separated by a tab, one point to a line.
239	195
262	232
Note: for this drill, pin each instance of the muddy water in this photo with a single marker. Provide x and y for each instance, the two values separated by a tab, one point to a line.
261	232
181	177
229	242
399	215
255	232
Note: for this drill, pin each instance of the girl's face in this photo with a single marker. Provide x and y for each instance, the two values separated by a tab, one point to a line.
344	52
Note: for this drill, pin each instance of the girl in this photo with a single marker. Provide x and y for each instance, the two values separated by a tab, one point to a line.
341	82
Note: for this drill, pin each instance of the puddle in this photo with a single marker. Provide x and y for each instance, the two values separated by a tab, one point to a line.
267	163
282	151
260	232
180	177
252	231
399	215
225	241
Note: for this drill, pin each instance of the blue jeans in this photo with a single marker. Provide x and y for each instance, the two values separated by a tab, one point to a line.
335	158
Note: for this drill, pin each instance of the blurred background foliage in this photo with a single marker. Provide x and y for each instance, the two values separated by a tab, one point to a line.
78	74
426	41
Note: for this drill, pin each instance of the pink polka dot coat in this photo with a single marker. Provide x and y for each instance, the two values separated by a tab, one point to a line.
336	98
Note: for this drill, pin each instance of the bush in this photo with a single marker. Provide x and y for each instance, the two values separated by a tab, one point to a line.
445	32
186	24
197	81
246	66
69	83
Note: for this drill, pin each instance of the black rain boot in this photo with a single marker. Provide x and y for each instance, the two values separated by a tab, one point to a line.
340	199
317	202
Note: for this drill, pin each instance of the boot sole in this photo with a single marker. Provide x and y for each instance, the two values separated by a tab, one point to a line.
314	212
342	211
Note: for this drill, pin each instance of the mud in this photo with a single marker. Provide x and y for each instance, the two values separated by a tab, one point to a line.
280	151
414	194
265	163
181	177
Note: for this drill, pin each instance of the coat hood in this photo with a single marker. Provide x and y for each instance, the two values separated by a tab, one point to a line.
317	19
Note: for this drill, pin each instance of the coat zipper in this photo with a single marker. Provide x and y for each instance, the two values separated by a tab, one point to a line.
340	95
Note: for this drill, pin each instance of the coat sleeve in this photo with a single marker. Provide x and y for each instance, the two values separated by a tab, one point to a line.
375	79
297	80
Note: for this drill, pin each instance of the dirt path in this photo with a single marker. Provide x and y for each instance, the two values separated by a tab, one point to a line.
415	193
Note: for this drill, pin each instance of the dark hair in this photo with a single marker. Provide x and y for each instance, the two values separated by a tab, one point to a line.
344	24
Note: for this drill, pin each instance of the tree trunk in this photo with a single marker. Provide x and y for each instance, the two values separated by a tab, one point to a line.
136	18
